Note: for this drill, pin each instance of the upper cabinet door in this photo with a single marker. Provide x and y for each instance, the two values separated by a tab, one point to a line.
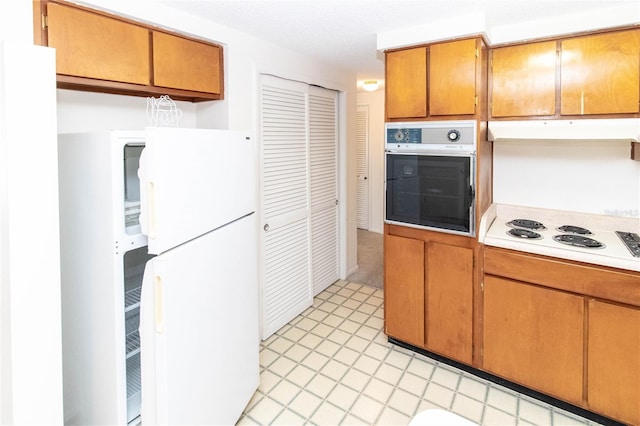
452	78
600	74
95	46
185	64
524	80
406	83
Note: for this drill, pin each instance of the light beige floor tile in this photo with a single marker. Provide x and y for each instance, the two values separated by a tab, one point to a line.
297	353
328	348
327	414
473	388
351	420
327	307
301	375
346	292
346	356
355	379
288	417
378	390
305	403
337	299
267	356
351	304
360	296
403	401
310	340
398	359
391	417
367	365
495	417
334	370
446	377
306	324
468	408
533	412
320	385
420	367
367	409
377	351
349	326
358	317
317	315
268	380
367	333
282	366
501	399
367	309
333	321
284	392
322	330
563	418
342	396
356	343
265	411
413	384
389	374
439	395
315	361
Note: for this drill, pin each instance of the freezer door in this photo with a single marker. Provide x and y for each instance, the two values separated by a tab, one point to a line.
199	329
193	181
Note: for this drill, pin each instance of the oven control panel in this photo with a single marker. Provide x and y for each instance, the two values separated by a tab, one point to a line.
431	136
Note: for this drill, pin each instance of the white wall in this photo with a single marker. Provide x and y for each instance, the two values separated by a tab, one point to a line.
583	176
375	103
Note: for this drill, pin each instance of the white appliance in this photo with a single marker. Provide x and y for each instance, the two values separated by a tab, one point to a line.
160	314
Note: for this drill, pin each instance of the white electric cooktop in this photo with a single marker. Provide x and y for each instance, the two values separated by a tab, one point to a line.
609	250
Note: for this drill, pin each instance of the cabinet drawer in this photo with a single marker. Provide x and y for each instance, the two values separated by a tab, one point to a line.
577	278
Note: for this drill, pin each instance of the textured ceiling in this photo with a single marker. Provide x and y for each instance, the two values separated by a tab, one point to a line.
344	31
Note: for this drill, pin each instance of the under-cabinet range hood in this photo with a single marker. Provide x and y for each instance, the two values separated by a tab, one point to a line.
575	129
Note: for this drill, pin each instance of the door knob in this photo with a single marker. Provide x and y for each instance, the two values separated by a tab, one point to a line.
266	227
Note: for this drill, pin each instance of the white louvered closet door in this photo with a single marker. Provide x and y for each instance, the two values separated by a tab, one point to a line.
323	138
362	166
285	205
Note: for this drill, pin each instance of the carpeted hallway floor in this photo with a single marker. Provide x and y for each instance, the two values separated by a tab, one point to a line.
370	259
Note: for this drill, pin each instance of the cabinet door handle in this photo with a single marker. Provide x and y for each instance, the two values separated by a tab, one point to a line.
266	227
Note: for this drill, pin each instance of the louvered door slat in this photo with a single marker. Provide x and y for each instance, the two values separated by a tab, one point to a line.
362	167
323	138
285	246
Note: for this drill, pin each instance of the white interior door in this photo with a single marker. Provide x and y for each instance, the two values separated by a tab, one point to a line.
362	166
199	329
323	140
184	175
285	204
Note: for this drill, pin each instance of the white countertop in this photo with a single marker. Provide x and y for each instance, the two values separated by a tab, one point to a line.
493	232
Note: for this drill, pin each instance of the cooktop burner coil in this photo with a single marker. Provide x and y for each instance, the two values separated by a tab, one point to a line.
524	233
527	224
571	229
578	241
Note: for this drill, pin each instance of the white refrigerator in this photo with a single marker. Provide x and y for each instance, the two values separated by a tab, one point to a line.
159	276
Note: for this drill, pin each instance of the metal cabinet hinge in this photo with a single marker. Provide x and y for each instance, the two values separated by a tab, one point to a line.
476	101
44	21
477	53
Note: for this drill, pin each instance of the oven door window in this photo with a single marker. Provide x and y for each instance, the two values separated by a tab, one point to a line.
430	191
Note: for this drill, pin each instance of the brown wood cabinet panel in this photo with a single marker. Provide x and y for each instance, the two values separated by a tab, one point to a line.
449	313
452	78
185	64
534	336
600	74
524	80
588	280
613	361
404	289
95	46
406	83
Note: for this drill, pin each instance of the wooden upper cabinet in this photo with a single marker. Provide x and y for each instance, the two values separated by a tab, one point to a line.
406	83
613	361
95	46
600	74
185	64
524	80
452	77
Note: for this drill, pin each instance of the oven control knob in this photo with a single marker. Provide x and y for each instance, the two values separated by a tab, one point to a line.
453	135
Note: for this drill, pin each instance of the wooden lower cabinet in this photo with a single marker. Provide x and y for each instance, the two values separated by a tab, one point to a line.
449	301
613	360
404	289
428	295
534	336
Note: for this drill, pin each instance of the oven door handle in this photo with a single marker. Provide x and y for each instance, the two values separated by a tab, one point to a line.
472	195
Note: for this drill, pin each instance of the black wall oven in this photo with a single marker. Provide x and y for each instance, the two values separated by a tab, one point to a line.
429	185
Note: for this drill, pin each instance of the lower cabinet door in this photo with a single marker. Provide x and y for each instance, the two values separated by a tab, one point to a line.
404	289
449	301
534	336
613	361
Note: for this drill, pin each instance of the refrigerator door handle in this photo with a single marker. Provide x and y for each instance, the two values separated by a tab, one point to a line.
158	305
